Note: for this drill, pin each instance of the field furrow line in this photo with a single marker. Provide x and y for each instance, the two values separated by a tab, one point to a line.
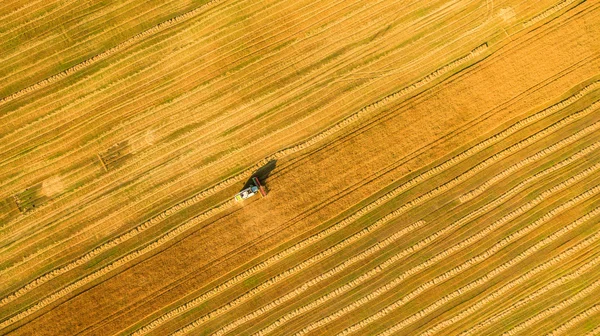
591	265
421	244
161	26
278	278
556	308
506	288
561	164
455	248
527	276
276	156
547	12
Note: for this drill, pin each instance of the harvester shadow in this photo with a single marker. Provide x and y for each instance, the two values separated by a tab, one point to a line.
262	174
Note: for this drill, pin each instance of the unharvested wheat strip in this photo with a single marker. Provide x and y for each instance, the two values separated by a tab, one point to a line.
590	265
558	307
395	258
527	276
505	289
291	271
547	12
302	289
529	160
457	247
309	241
311	141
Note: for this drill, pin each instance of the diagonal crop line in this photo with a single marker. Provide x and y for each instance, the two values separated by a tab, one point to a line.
421	199
590	265
300	290
159	27
291	271
558	307
505	289
527	276
421	244
473	261
243	175
446	253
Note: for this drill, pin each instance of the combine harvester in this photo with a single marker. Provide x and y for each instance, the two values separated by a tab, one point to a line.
251	191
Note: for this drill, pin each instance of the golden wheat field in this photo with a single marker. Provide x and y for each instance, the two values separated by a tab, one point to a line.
430	167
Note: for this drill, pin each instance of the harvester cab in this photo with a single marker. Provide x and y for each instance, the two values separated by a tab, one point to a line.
252	190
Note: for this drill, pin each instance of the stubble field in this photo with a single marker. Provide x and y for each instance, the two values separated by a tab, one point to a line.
433	167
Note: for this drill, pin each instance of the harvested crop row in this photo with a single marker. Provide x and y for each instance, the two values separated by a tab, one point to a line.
561	330
529	275
418	246
300	290
450	251
496	294
558	307
303	265
590	265
114	265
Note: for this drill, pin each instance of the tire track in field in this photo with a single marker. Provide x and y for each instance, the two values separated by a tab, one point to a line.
421	244
245	174
555	309
400	210
591	265
450	251
547	13
527	276
160	27
506	288
293	270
